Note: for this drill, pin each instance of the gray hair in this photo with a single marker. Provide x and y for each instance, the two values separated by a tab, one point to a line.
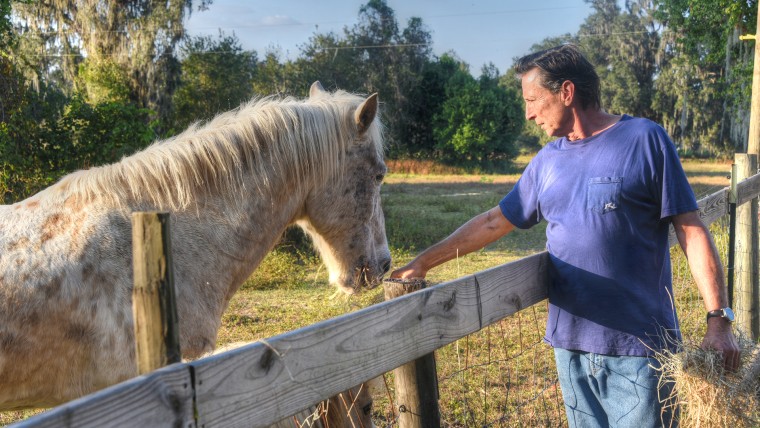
562	63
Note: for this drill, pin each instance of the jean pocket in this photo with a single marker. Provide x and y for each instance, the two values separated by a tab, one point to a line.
603	194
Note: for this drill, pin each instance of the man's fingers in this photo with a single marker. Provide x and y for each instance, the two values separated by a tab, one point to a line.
733	361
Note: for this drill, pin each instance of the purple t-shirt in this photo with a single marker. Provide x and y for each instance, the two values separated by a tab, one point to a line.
607	200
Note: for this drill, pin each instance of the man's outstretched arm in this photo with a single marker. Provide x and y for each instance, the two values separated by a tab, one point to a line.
478	232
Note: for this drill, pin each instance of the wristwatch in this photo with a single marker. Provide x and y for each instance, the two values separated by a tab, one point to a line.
726	313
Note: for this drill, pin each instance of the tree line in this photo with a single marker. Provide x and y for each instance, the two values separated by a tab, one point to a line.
84	83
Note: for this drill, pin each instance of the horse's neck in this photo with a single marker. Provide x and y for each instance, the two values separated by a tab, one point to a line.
240	234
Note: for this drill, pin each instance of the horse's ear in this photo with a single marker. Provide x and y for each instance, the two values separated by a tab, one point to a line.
365	114
316	89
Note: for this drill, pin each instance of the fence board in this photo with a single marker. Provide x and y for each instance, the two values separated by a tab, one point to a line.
509	288
264	382
711	208
748	189
161	398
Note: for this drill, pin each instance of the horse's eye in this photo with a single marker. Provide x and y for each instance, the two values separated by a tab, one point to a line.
367	409
379	177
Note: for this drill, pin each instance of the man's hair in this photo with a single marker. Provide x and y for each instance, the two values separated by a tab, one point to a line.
561	63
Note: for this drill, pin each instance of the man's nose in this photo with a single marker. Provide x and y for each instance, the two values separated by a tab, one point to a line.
529	115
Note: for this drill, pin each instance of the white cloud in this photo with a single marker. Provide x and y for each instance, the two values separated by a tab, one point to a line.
277	20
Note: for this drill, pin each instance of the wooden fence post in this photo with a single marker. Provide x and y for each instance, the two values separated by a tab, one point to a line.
746	254
416	381
753	148
153	298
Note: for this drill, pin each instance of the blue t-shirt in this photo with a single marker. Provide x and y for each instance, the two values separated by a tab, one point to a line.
607	200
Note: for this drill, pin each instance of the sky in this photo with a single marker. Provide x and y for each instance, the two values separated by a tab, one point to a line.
478	31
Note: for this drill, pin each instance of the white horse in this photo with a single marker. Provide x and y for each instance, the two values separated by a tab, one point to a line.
232	187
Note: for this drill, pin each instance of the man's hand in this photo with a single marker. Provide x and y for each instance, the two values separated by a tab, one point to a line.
719	337
410	271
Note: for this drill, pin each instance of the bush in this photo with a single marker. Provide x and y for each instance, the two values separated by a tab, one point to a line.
48	135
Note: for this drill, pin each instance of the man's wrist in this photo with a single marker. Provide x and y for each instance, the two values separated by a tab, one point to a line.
723	313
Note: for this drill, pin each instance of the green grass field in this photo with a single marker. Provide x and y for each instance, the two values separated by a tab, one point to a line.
502	376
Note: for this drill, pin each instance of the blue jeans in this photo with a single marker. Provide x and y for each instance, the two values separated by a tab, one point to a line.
612	391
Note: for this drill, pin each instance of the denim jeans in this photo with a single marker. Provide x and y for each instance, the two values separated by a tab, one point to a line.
612	391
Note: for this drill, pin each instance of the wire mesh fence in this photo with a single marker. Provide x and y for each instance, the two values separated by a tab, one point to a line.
505	375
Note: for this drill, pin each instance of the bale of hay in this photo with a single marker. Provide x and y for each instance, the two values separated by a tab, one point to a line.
708	395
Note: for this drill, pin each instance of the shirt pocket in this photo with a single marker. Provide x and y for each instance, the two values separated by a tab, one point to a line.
603	194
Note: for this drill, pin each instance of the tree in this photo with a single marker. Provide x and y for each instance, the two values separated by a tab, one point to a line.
390	61
216	76
425	101
10	80
622	45
479	120
704	87
48	135
271	77
331	60
99	47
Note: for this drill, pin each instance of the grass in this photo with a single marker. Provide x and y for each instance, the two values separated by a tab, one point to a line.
501	376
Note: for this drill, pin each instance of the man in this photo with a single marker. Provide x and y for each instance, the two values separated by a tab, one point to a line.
608	188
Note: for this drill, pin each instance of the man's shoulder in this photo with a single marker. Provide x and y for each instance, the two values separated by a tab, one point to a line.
641	124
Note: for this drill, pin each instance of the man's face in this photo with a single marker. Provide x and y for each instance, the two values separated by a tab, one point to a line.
547	109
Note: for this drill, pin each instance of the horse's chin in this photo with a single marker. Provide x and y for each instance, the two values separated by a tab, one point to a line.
356	285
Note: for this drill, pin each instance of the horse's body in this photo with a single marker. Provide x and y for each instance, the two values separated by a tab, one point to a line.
232	188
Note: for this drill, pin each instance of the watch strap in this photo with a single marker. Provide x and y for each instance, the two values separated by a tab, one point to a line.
725	313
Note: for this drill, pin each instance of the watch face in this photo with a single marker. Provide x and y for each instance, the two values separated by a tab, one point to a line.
728	314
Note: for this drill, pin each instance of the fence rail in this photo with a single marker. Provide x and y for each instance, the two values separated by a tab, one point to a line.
268	380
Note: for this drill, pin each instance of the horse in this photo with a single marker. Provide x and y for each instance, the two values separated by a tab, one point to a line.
232	186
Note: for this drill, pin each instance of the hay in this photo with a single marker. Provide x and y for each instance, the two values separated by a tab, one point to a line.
707	395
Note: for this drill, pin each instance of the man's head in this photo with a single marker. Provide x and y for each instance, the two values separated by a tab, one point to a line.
562	63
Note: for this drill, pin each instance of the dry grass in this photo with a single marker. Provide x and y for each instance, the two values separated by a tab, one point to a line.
706	394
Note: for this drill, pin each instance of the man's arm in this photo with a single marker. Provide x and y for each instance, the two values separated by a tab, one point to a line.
478	232
705	266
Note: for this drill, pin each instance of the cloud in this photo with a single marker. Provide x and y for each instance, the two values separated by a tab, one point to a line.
277	20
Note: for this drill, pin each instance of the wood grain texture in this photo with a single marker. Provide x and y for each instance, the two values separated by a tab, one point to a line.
266	381
416	382
154	305
711	208
160	399
748	189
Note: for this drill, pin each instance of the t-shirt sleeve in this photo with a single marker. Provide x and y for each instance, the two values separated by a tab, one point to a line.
520	205
677	196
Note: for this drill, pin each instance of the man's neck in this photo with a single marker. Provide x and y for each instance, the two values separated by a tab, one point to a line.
591	122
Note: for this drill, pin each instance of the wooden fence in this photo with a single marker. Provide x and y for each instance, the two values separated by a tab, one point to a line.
268	380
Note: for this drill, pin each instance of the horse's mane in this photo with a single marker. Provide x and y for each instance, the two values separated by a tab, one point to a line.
281	139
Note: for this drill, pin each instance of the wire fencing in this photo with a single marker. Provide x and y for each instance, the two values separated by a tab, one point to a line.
505	375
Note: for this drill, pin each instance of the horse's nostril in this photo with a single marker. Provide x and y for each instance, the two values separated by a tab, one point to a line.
387	266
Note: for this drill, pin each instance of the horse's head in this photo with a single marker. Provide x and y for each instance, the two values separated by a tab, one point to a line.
343	216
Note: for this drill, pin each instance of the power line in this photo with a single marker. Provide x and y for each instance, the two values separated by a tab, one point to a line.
327	23
383	46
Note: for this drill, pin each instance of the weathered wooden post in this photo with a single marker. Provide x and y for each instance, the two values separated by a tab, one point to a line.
746	260
753	148
417	381
153	298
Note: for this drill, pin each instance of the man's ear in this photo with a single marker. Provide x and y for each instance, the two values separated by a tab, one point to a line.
567	92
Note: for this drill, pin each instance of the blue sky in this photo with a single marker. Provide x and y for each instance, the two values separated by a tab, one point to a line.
479	31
